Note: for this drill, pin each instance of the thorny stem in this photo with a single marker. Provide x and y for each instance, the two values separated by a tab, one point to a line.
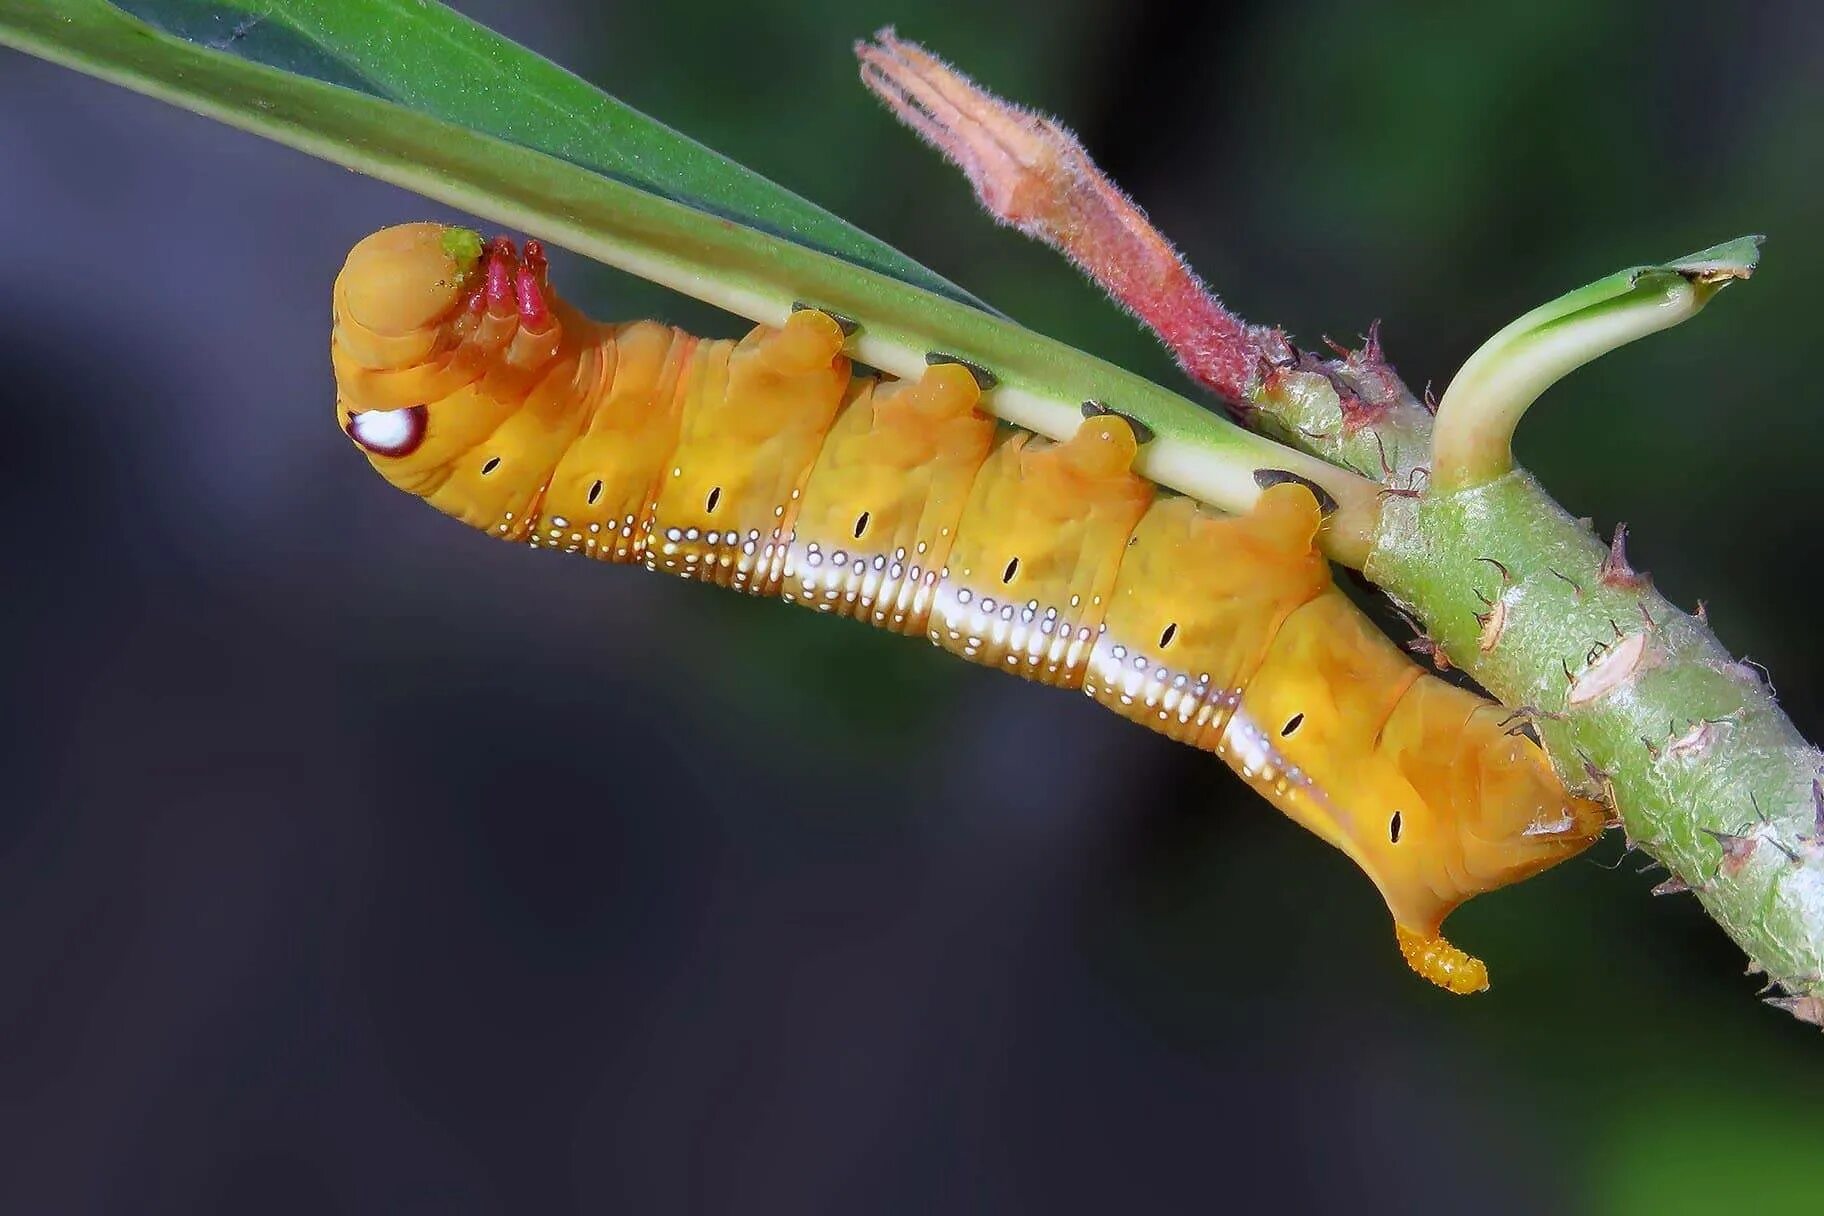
1636	700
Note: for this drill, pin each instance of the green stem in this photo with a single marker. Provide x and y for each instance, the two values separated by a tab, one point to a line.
1633	697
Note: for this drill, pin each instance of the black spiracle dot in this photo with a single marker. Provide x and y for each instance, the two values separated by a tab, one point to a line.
595	493
1393	828
1171	631
861	524
492	464
1292	724
715	496
1013	568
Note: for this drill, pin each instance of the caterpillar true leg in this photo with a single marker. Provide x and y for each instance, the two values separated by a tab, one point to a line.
528	289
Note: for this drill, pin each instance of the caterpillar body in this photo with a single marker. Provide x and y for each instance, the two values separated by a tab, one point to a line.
766	466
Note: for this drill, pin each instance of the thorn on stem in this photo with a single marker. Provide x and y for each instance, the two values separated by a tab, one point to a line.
1808	1009
1493	623
1695	742
1615	570
1421	644
1618	665
1738	851
1431	652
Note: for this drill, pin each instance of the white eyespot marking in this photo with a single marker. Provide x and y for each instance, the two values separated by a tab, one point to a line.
390	432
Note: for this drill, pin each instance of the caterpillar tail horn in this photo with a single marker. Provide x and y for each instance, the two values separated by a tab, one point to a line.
1443	964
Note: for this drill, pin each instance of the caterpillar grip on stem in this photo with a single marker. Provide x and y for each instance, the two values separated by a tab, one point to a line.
767	466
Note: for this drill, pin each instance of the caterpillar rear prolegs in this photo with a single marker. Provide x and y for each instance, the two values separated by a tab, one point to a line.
1440	962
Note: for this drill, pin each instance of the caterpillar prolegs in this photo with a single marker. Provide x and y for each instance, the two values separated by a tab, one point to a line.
767	466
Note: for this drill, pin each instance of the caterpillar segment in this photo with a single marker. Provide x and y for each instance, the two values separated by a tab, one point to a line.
766	466
1026	585
881	510
601	496
753	418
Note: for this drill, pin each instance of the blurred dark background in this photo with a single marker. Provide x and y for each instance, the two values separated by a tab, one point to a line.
352	862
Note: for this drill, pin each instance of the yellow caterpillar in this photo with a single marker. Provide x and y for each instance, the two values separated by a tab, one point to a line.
766	466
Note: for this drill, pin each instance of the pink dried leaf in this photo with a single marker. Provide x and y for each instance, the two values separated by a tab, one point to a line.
1033	175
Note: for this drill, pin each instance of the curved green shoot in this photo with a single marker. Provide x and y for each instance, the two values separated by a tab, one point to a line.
1473	435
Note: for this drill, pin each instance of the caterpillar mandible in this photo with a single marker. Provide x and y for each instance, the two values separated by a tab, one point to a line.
765	465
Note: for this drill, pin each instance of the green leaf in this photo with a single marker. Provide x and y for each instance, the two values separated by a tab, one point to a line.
432	60
369	84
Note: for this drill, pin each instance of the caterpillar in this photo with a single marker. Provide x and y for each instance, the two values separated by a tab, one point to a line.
768	466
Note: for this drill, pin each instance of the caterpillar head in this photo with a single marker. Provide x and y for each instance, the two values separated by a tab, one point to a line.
423	312
402	280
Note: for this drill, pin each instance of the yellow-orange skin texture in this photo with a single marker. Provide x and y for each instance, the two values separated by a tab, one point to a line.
765	466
